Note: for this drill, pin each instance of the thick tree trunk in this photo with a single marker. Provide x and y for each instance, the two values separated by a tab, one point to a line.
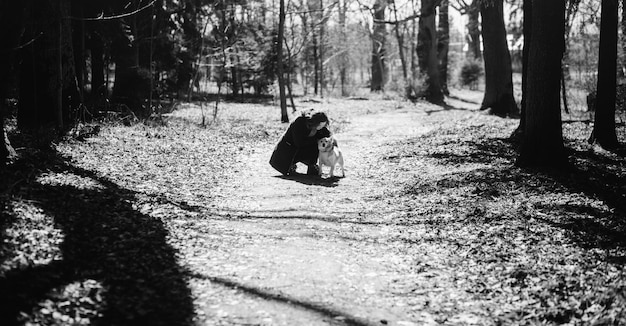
542	141
11	28
132	84
427	52
48	90
379	69
498	96
443	44
281	74
604	127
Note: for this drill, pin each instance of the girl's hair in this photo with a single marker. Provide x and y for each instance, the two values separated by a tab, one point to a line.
315	118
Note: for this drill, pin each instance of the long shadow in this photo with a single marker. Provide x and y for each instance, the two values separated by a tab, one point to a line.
106	240
447	107
596	176
311	180
320	309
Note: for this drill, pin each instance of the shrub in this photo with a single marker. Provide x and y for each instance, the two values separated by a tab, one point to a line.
471	72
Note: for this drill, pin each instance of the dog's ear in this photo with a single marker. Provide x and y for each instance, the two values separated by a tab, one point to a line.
335	142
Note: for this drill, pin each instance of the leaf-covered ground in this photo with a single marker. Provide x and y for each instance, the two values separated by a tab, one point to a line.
177	224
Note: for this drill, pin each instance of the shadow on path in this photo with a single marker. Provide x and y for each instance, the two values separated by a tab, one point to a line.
312	180
339	317
106	240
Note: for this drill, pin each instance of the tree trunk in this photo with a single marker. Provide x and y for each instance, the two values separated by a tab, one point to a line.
284	117
98	84
79	46
321	47
400	39
344	58
48	90
427	52
604	127
623	38
473	30
542	140
11	29
443	44
132	84
527	23
316	61
498	96
379	69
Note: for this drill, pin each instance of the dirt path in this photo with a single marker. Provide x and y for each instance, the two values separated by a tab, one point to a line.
284	251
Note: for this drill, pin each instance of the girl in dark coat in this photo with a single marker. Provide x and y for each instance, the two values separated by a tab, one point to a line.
299	144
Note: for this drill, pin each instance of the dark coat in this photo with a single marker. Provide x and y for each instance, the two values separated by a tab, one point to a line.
296	146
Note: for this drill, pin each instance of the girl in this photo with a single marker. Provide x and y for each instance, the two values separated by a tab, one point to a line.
299	144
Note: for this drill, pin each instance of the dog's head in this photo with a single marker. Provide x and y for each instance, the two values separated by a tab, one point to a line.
326	144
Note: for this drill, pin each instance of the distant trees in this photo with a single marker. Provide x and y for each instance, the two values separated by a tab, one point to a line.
119	54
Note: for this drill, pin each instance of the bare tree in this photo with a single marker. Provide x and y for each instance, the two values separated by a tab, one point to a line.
281	74
379	69
443	44
472	10
344	58
401	50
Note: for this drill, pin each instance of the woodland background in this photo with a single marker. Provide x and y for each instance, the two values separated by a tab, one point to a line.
67	62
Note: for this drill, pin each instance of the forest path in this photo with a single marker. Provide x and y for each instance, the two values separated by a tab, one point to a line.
304	251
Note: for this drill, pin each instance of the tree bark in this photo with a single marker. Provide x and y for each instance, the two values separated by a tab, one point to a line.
284	117
48	89
98	84
344	58
427	52
443	44
498	98
473	30
527	32
11	29
623	27
542	140
400	39
604	133
379	69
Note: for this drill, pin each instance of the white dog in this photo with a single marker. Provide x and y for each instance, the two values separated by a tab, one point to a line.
330	155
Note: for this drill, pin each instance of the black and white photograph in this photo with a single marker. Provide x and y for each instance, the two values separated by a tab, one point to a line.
313	162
